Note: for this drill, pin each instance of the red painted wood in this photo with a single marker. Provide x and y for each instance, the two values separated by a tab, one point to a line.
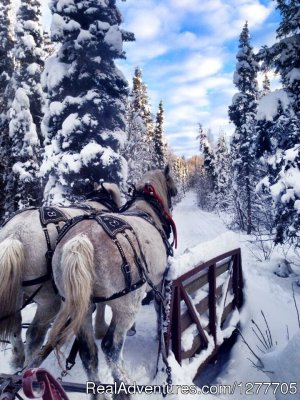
51	388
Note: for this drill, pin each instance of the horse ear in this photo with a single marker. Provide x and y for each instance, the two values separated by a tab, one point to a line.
167	170
96	185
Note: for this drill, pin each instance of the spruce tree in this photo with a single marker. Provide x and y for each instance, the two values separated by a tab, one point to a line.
222	167
206	181
23	188
208	156
180	173
282	147
147	117
138	150
85	122
266	85
30	56
159	140
6	56
6	73
242	113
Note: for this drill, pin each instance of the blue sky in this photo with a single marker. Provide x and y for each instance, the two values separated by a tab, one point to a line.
186	50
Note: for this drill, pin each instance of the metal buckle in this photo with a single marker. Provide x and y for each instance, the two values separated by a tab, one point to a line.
127	275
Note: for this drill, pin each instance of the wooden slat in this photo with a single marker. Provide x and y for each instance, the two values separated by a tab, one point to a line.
201	307
176	326
227	310
202	267
196	283
197	343
193	314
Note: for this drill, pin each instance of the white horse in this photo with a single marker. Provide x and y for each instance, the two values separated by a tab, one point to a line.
23	247
89	263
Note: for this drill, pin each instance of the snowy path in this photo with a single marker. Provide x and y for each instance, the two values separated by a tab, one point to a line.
194	225
264	291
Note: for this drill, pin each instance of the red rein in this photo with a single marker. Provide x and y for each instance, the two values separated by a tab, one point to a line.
149	189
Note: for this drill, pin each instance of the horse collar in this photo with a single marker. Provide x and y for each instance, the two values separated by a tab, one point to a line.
149	190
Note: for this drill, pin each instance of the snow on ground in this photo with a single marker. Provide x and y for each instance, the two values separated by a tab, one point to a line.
201	236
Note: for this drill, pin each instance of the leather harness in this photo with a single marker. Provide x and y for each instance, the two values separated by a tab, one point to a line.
53	215
114	225
50	215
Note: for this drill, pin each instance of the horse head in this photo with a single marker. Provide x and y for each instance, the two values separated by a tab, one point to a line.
171	187
161	185
105	191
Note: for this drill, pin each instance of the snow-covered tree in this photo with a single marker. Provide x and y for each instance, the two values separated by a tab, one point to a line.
24	101
85	123
266	85
180	174
242	113
6	56
222	167
194	165
147	118
138	149
23	187
281	141
49	46
6	73
30	56
208	156
159	140
206	180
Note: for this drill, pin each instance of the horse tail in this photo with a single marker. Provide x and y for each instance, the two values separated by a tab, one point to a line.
78	277
12	260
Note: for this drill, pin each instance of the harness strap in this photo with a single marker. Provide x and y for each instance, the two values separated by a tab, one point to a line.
17	213
125	268
136	256
71	360
36	281
48	256
121	293
50	215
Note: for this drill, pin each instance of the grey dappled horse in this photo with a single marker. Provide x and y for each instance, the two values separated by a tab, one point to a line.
22	258
88	264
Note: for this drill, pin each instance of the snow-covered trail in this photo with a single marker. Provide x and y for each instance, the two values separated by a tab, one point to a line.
194	225
203	235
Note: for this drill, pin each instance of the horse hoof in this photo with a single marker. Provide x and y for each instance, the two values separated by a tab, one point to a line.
131	331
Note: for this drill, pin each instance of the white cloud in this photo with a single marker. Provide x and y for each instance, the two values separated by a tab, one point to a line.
145	25
182	48
196	67
189	93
